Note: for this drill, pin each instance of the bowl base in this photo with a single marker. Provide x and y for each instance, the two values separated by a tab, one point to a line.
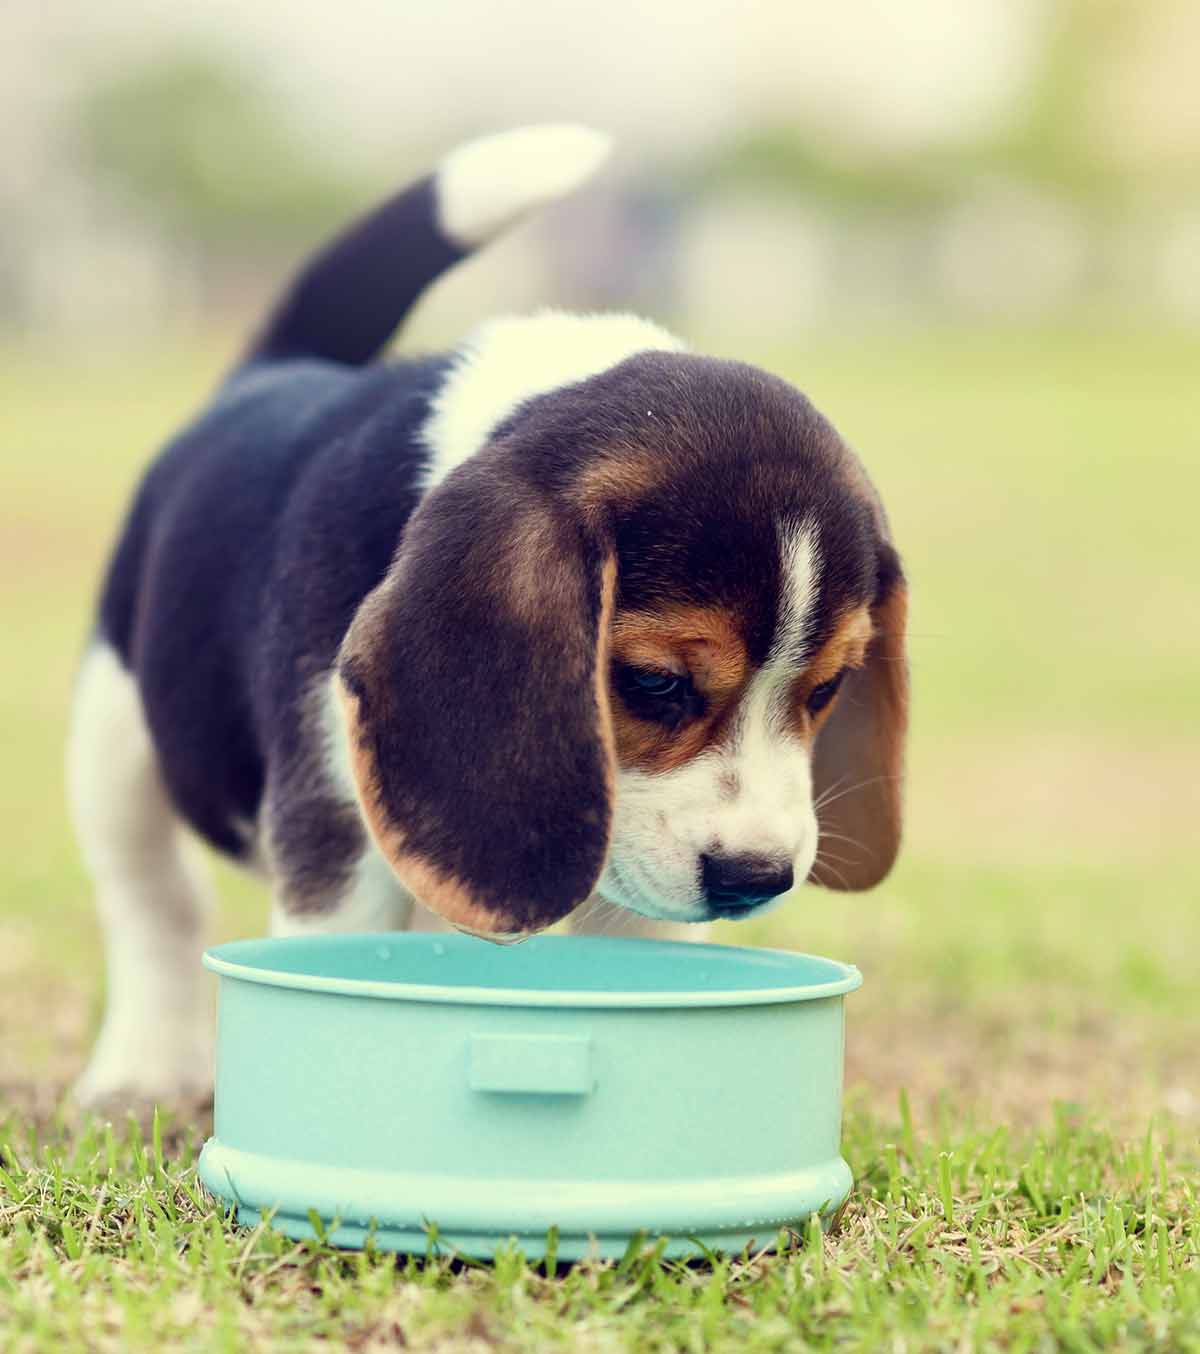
479	1246
593	1219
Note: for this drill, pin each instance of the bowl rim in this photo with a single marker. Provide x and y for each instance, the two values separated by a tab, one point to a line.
222	960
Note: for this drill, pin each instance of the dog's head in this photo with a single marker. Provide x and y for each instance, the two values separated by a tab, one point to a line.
648	641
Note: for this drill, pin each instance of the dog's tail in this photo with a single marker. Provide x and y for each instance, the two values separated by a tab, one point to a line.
348	299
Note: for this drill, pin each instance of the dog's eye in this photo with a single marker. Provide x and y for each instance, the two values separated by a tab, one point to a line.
660	685
820	696
654	694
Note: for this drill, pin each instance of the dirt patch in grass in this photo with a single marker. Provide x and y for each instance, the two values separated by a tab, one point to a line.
1016	1068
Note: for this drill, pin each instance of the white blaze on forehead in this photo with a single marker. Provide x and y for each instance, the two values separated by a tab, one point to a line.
799	588
760	725
515	358
772	812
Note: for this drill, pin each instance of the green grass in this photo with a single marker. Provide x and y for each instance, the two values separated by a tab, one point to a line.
966	1237
1030	967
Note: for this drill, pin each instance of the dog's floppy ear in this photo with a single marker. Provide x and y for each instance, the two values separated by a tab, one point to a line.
858	761
474	683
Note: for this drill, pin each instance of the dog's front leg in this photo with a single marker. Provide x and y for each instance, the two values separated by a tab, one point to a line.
370	898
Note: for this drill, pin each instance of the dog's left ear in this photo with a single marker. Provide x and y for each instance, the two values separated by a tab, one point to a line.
474	683
858	761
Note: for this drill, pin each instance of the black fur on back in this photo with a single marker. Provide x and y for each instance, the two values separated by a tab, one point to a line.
258	529
251	541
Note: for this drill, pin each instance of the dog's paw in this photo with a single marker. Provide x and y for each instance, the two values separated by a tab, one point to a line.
137	1073
117	1098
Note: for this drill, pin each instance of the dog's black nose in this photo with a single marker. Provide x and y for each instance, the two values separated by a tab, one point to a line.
732	884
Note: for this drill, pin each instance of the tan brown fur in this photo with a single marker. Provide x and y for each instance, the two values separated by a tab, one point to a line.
846	647
604	702
704	644
619	477
521	576
859	759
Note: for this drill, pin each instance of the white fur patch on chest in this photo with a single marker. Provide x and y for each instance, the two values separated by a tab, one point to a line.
515	358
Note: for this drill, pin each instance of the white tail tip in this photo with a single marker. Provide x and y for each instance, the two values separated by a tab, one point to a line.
486	185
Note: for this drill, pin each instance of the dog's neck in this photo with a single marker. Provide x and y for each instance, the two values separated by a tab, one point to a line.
512	359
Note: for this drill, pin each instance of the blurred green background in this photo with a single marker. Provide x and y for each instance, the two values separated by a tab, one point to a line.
970	233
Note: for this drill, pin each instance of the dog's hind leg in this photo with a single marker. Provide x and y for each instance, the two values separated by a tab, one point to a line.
155	1040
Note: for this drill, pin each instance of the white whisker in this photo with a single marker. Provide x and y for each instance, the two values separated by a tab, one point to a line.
827	798
823	798
827	836
825	865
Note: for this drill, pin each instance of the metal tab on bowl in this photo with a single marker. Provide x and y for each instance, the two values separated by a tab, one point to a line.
530	1064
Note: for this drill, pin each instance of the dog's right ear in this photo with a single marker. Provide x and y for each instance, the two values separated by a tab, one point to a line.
474	683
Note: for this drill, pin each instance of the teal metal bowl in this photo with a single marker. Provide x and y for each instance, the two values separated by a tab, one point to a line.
597	1087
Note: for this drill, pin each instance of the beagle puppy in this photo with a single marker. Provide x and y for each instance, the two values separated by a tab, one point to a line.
570	613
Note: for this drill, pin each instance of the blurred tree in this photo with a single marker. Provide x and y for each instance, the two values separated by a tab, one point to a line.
209	150
1053	139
